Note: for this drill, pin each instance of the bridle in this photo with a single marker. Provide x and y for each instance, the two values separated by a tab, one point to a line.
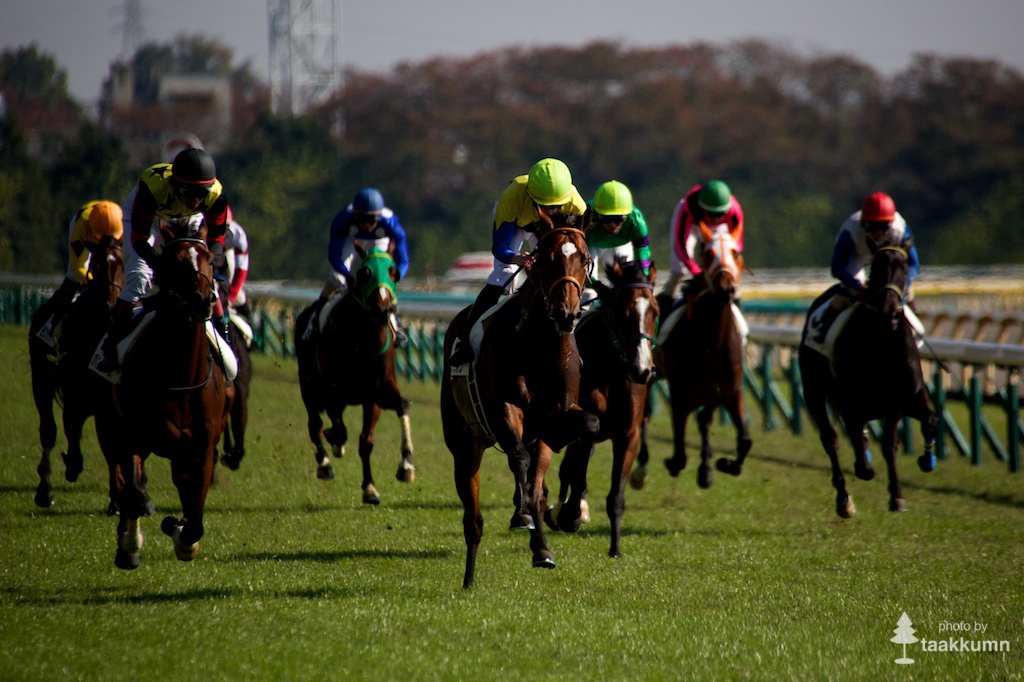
565	279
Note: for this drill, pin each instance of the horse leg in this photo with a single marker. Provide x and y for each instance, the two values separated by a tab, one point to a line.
815	402
737	411
568	513
74	423
43	390
521	519
132	502
192	473
923	412
638	477
406	470
537	468
624	448
371	413
858	438
705	473
680	413
311	398
468	455
889	447
234	436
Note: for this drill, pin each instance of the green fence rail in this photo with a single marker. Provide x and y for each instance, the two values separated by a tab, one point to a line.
771	373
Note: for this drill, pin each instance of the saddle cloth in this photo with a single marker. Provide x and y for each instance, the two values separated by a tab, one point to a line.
670	322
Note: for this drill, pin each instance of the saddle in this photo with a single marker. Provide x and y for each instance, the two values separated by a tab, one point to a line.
681	307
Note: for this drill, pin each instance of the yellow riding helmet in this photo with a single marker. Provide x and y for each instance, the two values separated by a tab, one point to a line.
613	198
550	183
105	218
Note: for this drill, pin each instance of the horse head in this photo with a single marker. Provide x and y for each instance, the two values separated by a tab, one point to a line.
721	264
561	267
106	268
374	281
887	280
186	273
631	312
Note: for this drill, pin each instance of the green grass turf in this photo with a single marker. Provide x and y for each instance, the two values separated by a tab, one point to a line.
296	579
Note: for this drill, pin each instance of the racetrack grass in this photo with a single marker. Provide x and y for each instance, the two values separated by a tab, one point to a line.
296	579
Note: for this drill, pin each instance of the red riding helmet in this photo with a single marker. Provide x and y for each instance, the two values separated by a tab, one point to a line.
878	208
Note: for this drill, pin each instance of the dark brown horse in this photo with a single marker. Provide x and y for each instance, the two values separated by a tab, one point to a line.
63	370
616	345
875	373
702	359
173	401
520	392
352	362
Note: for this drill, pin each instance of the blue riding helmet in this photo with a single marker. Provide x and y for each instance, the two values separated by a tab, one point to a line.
368	200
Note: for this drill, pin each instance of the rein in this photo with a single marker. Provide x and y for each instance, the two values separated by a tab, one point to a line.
209	374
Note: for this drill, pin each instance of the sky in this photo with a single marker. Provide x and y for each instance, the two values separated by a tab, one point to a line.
85	36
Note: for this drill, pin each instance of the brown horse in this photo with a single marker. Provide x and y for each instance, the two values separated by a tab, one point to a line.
875	373
616	345
173	400
703	359
521	390
353	363
63	371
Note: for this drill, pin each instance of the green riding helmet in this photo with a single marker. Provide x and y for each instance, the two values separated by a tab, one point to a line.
613	198
550	183
715	197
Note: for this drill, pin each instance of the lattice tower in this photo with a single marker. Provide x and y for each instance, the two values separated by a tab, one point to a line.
305	52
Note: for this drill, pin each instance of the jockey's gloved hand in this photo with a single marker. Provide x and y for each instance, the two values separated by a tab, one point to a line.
223	324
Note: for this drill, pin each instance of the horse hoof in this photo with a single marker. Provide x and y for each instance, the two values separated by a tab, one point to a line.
521	522
325	472
728	466
338	450
550	515
674	467
705	476
406	473
897	504
185	553
638	478
927	462
845	508
127	561
232	460
865	472
370	495
584	512
72	467
148	508
113	509
44	496
543	559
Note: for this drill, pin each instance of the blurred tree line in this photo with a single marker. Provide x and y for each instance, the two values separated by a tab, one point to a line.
801	141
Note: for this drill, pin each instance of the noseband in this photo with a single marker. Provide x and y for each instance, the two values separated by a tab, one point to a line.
566	278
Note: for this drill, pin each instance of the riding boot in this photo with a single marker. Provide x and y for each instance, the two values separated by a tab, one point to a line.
462	352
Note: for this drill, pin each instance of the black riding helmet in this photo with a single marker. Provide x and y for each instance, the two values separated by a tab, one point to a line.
194	167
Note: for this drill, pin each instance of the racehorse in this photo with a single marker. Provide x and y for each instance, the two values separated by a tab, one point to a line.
875	373
616	345
353	363
521	390
63	370
173	400
702	358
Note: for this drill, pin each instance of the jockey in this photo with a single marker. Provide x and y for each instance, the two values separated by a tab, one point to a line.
368	221
546	188
236	265
622	231
712	204
89	225
877	223
185	190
